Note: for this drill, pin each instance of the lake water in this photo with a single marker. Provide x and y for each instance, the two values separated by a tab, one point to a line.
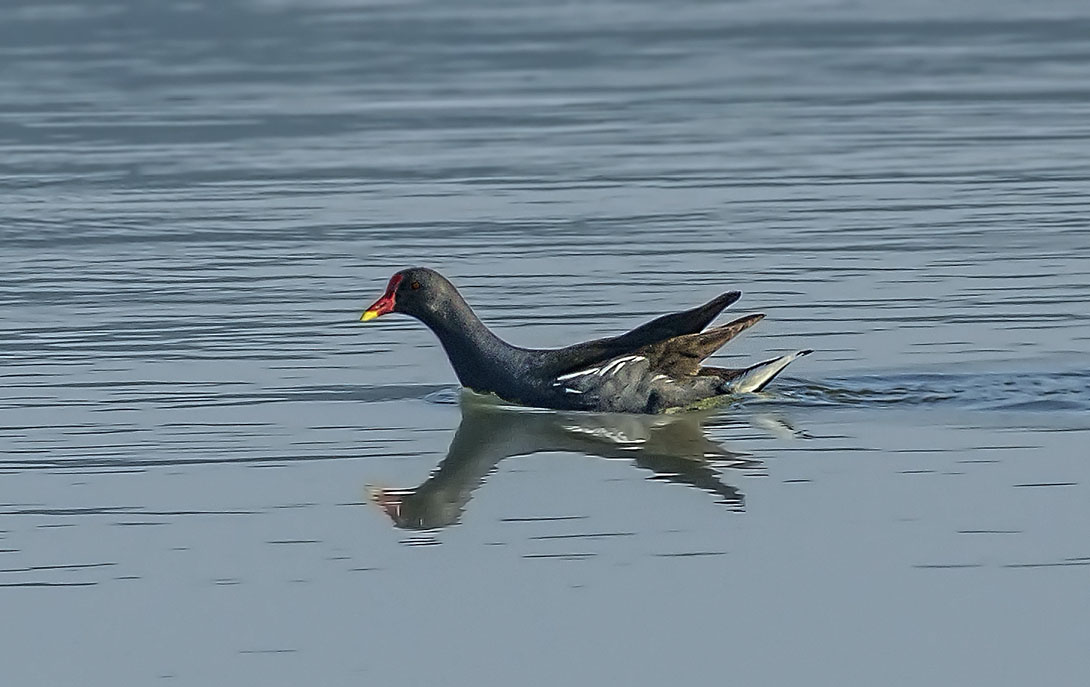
213	474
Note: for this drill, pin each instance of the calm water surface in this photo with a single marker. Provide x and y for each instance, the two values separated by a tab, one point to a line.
213	474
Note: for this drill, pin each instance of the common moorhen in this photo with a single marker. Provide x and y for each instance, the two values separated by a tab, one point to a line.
652	369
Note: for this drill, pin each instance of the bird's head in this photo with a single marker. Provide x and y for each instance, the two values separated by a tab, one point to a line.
413	291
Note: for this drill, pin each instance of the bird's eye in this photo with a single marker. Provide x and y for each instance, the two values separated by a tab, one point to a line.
415	285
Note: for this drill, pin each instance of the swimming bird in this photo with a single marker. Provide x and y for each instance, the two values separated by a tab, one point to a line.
654	368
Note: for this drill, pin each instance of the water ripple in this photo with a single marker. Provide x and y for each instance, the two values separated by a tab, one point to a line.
1014	391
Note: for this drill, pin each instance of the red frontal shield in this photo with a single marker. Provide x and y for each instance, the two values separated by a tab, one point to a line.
386	303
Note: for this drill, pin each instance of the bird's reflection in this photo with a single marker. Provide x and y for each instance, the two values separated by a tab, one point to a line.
673	447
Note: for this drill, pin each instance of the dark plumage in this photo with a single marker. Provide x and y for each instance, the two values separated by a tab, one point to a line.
651	369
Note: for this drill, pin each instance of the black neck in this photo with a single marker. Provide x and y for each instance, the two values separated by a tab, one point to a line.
478	356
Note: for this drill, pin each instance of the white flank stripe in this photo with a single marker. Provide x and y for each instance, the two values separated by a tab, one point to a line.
580	373
611	366
617	364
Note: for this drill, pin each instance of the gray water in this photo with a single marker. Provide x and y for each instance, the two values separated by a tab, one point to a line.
213	474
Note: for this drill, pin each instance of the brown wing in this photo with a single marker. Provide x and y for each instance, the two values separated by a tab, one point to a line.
587	354
682	355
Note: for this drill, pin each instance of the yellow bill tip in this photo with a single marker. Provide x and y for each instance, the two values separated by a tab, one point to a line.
368	315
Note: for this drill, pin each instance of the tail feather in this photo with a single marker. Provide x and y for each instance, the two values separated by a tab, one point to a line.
756	377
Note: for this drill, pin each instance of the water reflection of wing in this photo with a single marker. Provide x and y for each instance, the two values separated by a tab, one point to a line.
673	447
